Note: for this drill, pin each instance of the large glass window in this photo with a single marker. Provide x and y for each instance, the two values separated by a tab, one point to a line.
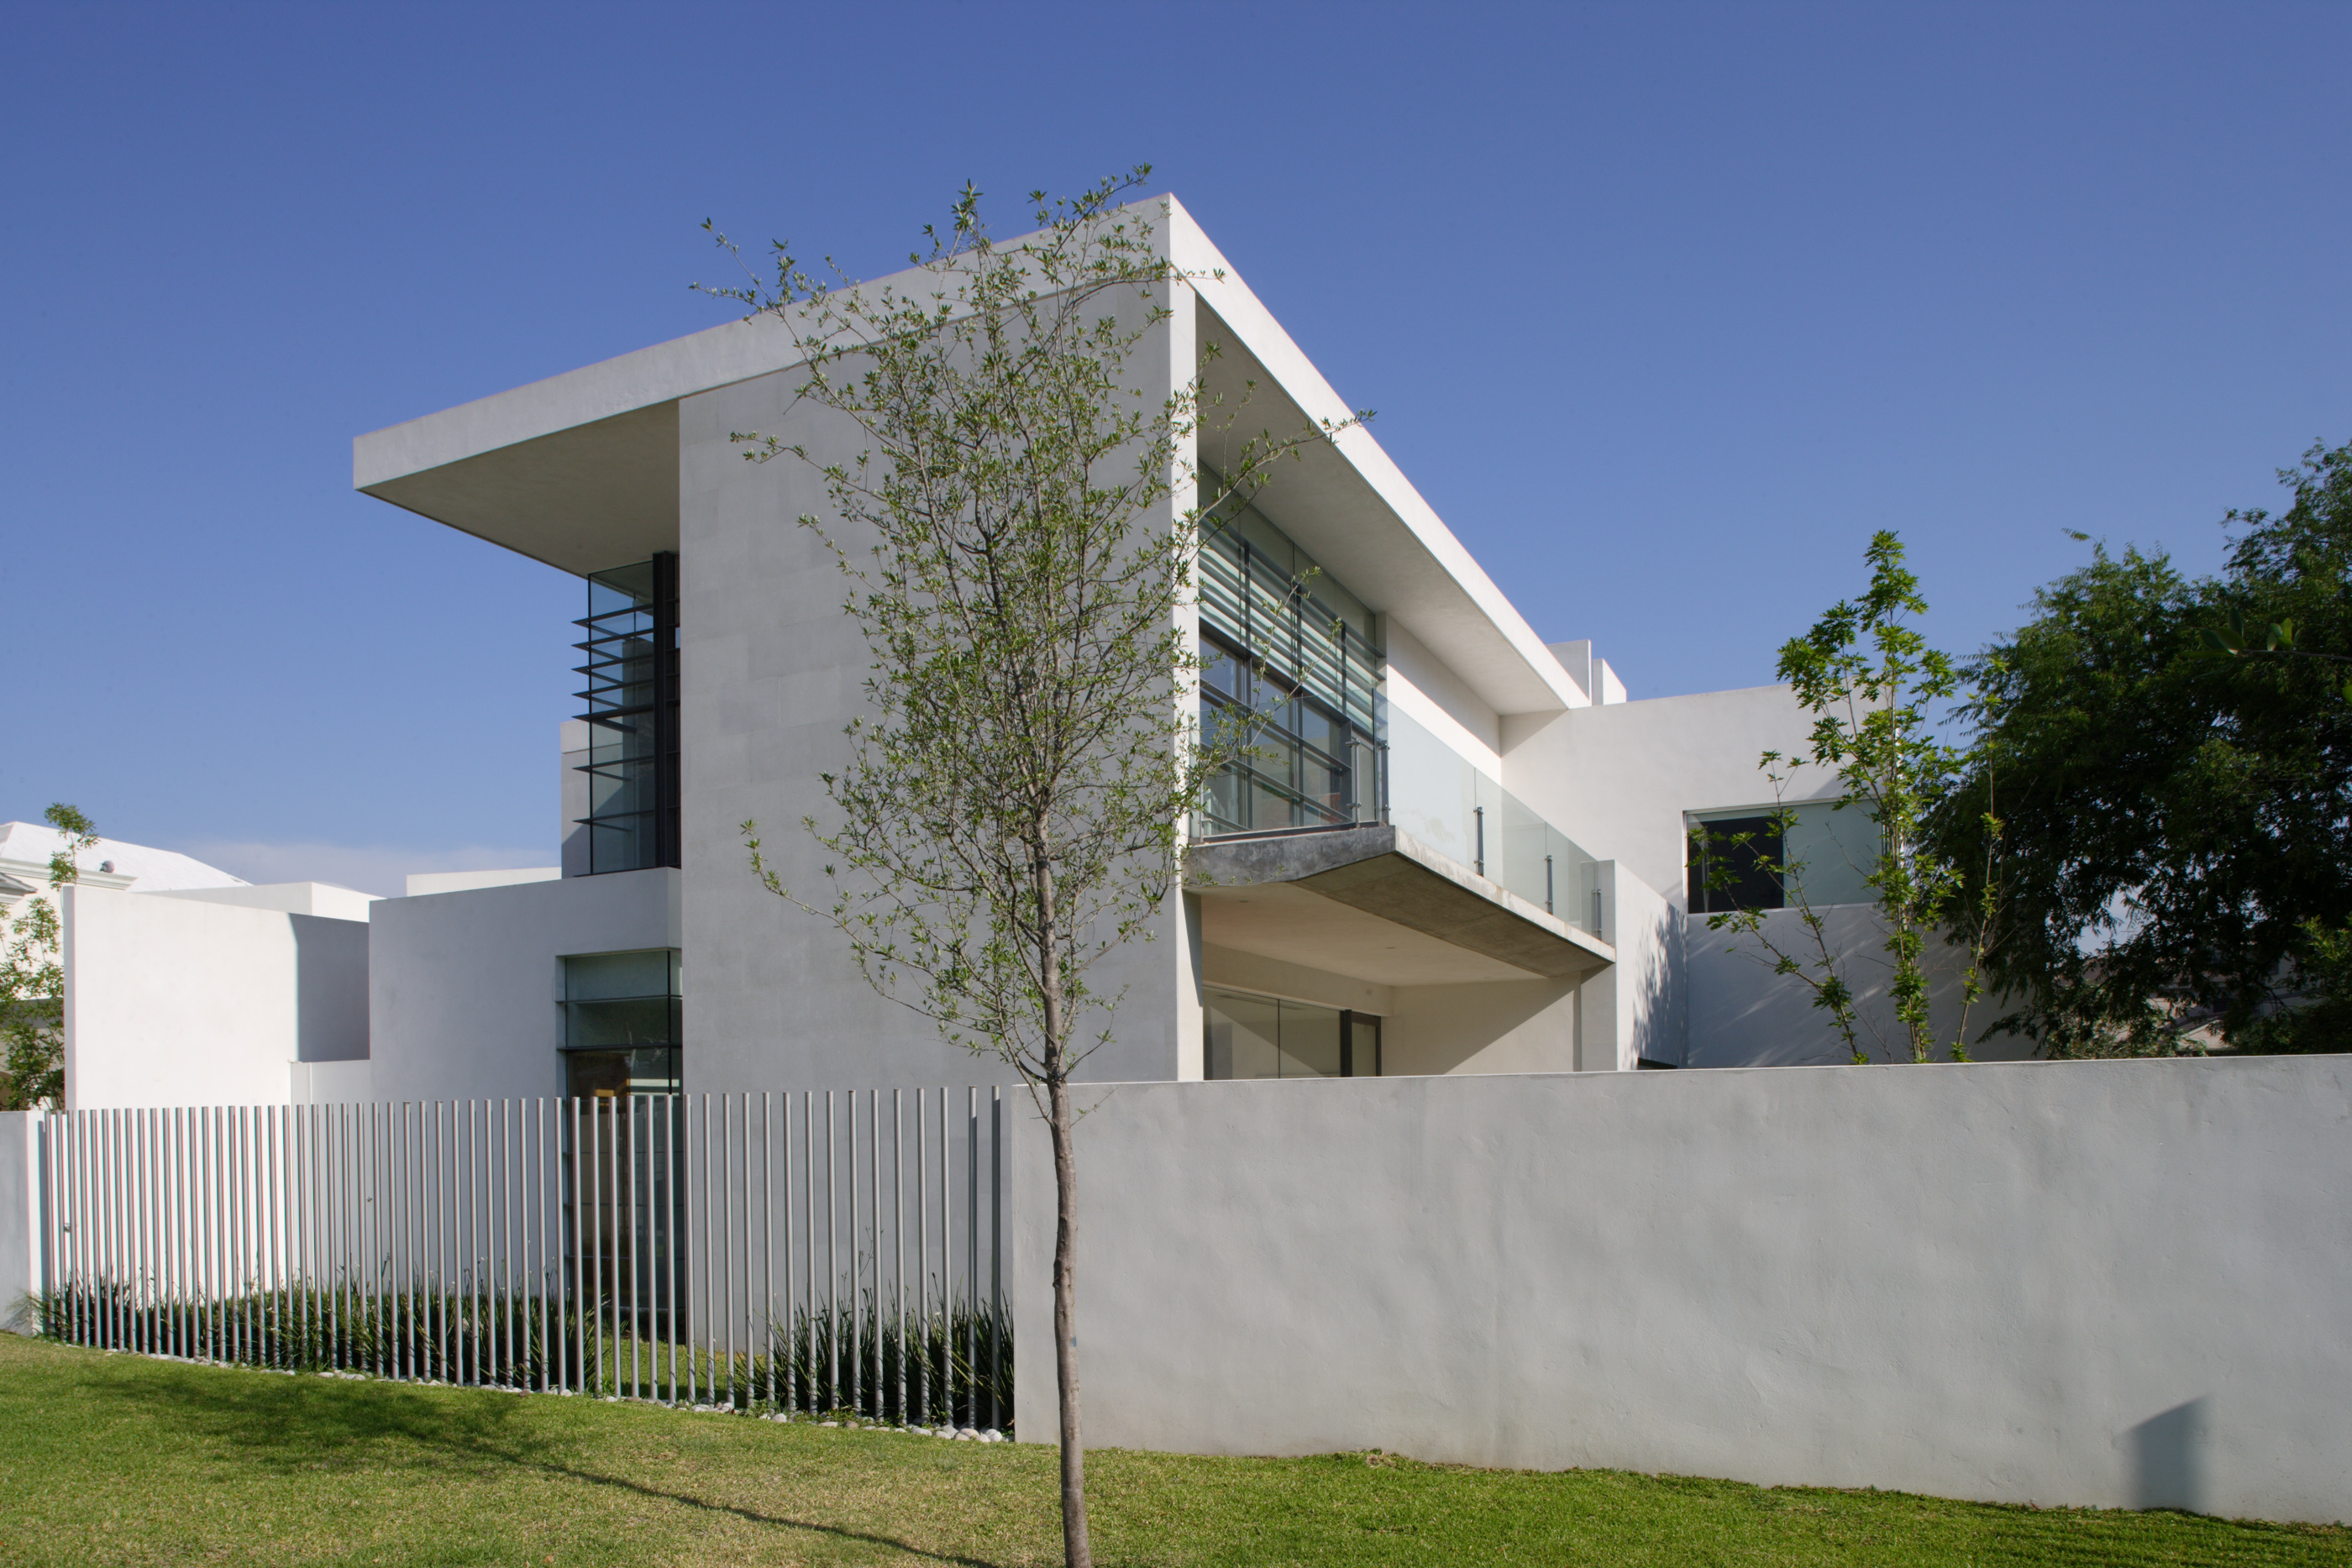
1263	1037
623	1023
1290	663
1731	854
631	671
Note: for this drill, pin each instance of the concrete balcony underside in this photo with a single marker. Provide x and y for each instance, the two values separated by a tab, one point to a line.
1375	905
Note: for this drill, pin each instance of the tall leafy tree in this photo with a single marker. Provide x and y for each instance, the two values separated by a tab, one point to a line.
2174	759
32	977
1019	535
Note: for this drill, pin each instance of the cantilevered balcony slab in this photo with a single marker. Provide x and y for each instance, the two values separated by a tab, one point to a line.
1375	904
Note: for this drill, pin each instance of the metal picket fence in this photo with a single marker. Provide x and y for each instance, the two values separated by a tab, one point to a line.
826	1251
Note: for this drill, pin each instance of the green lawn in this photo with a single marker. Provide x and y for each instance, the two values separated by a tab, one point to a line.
113	1458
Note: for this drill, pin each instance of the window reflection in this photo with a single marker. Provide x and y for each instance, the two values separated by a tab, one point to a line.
1289	663
624	1023
1249	1036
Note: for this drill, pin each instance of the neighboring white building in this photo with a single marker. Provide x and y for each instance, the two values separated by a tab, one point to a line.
26	847
186	985
1477	862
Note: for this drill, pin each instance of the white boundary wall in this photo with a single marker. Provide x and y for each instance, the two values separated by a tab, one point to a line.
2109	1284
20	1218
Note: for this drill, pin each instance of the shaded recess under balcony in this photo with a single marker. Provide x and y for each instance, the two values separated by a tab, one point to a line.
1375	904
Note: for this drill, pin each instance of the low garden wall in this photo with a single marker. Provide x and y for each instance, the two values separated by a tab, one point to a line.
2101	1282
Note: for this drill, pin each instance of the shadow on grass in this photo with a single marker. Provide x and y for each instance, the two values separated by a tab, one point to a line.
292	1424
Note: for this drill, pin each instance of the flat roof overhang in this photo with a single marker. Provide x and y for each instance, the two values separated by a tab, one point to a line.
1376	904
583	500
581	471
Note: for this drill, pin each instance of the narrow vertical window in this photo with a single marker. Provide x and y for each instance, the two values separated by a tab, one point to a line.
630	668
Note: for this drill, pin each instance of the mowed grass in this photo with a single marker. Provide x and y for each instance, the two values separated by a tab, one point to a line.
117	1459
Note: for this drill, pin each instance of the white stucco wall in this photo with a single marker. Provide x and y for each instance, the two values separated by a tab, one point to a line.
2110	1283
20	1216
421	883
1487	1026
1621	779
1617	778
572	793
174	1000
464	986
289	897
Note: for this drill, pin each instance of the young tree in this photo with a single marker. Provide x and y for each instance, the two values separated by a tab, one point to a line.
32	977
1020	535
1872	684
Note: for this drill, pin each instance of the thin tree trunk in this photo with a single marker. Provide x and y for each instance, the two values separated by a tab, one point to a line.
1077	1551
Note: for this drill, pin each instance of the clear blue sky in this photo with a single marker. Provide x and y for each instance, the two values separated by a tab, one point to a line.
1663	308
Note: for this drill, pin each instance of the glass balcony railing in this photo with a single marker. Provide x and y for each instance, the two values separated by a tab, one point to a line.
1418	783
1439	797
1529	856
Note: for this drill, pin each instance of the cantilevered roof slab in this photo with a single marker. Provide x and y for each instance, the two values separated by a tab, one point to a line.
1376	904
581	470
578	470
585	499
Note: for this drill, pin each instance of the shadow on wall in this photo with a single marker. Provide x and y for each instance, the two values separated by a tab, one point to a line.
2168	1459
330	988
1744	1015
1484	1025
1661	1032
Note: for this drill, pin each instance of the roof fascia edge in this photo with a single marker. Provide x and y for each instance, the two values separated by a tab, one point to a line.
662	373
725	355
1214	279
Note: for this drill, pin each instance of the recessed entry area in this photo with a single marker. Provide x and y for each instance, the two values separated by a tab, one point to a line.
1252	1035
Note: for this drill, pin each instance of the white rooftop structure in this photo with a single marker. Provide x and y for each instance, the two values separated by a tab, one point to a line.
26	849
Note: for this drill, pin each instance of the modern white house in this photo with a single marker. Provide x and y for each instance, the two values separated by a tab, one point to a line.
1470	854
1463	868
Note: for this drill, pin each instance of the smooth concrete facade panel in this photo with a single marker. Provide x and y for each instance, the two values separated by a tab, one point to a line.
2000	1281
773	672
464	988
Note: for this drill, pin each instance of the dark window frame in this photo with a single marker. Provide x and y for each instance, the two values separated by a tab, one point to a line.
1749	886
575	1054
630	669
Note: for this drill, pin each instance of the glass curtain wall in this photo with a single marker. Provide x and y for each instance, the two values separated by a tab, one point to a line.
1291	663
1262	1036
631	671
